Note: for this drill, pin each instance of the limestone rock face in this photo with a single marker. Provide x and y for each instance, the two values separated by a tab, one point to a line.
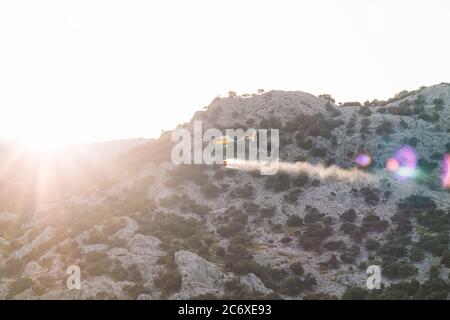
143	252
254	284
7	217
104	288
100	288
145	296
199	276
128	230
44	237
94	247
3	243
3	290
32	270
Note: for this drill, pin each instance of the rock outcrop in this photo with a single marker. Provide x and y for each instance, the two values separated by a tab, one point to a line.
199	277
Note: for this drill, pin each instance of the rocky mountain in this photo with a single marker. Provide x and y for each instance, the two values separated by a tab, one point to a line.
150	229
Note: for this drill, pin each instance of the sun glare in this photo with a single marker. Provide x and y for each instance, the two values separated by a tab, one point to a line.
41	144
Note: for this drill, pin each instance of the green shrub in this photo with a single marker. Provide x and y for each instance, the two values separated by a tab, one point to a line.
186	173
403	109
112	227
365	111
334	245
400	290
242	266
447	147
169	282
292	196
348	228
438	103
429	118
371	195
18	286
327	97
372	244
436	220
417	203
292	286
436	244
314	125
331	263
98	266
420	100
270	123
355	293
286	240
350	254
251	208
245	192
297	268
94	256
398	269
417	254
304	143
349	215
12	267
313	215
412	141
365	123
445	260
319	296
332	110
384	128
119	273
403	124
372	222
352	104
267	212
302	180
278	183
210	191
231	229
97	237
313	236
319	152
294	221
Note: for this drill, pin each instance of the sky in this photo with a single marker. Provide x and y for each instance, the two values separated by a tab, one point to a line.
84	71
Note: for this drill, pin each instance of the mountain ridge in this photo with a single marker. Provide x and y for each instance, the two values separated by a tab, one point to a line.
161	231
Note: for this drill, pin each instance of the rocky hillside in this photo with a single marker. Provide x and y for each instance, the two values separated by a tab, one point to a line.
154	230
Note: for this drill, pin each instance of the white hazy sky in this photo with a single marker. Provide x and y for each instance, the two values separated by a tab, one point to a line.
80	71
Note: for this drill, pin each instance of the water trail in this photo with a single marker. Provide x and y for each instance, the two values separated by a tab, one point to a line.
319	171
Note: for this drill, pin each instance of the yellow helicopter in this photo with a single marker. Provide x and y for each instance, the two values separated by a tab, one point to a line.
225	140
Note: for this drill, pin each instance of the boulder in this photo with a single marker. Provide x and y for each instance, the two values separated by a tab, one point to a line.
44	237
104	288
32	270
128	231
143	252
199	276
254	284
145	296
6	217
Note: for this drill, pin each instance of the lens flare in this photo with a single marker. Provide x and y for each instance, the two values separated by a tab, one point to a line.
403	164
363	160
392	165
445	177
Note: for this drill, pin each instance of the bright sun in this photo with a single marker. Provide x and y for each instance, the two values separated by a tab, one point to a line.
43	144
